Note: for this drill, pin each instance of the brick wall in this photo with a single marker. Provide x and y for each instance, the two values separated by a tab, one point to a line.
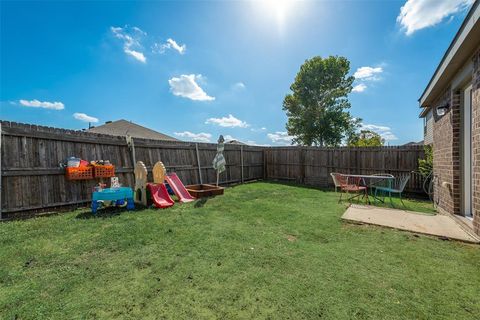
447	152
446	158
476	140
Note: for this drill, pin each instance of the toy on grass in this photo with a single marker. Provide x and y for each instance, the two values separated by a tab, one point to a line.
114	183
140	183
178	188
117	196
158	191
159	172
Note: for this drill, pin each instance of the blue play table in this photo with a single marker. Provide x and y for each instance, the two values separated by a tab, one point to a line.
119	195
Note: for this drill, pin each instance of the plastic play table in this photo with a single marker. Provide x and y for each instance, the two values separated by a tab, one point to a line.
119	195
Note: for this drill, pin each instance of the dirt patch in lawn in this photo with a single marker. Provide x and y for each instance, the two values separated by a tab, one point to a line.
291	238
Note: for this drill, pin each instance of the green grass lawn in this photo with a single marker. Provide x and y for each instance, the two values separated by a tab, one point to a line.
262	250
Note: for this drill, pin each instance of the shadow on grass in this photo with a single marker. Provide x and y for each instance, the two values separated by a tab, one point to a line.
108	212
413	202
200	202
297	185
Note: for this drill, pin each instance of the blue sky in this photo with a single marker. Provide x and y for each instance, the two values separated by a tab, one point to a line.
197	69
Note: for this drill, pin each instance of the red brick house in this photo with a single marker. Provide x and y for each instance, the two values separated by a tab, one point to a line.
451	108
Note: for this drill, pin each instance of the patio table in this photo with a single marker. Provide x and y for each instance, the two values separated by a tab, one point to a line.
372	181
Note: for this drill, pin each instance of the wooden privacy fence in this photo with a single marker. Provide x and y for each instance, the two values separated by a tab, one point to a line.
32	178
312	166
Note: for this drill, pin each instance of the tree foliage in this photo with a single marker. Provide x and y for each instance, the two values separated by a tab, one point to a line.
317	107
365	138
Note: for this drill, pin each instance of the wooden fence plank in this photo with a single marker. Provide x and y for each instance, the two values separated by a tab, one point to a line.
31	178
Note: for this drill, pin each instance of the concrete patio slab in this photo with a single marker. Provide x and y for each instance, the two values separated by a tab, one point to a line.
435	225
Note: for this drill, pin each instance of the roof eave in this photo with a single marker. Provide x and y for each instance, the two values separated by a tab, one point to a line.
467	36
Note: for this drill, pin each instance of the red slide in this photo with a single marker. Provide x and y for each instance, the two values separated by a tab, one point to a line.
160	196
178	188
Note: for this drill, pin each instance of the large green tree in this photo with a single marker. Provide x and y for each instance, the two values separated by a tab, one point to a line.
317	107
365	138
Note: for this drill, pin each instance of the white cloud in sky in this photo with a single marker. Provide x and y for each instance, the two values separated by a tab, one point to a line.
239	86
359	87
172	44
169	44
364	75
42	104
280	137
186	86
384	131
419	14
199	137
84	117
368	73
228	137
258	129
131	38
136	54
228	122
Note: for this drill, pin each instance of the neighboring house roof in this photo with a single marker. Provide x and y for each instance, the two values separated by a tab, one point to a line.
235	142
124	127
413	143
460	50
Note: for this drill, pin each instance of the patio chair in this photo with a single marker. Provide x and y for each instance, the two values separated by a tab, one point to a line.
381	183
397	186
338	179
354	185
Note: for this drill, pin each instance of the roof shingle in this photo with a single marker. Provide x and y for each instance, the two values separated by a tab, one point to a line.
123	127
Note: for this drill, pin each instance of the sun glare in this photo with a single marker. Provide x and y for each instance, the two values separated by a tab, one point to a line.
277	10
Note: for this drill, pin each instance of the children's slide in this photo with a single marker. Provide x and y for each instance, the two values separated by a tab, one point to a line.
159	195
178	187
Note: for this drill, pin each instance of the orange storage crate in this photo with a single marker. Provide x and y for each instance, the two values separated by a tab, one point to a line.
80	173
100	171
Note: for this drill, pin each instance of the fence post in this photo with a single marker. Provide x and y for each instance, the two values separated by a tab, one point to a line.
302	163
264	151
198	164
241	160
131	146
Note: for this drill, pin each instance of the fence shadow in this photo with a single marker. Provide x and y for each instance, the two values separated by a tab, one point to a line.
106	213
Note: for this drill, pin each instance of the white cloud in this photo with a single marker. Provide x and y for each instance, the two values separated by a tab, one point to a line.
368	73
42	104
419	14
169	44
359	87
258	129
131	38
239	86
137	55
199	137
280	137
229	122
187	87
84	117
384	131
174	45
229	138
